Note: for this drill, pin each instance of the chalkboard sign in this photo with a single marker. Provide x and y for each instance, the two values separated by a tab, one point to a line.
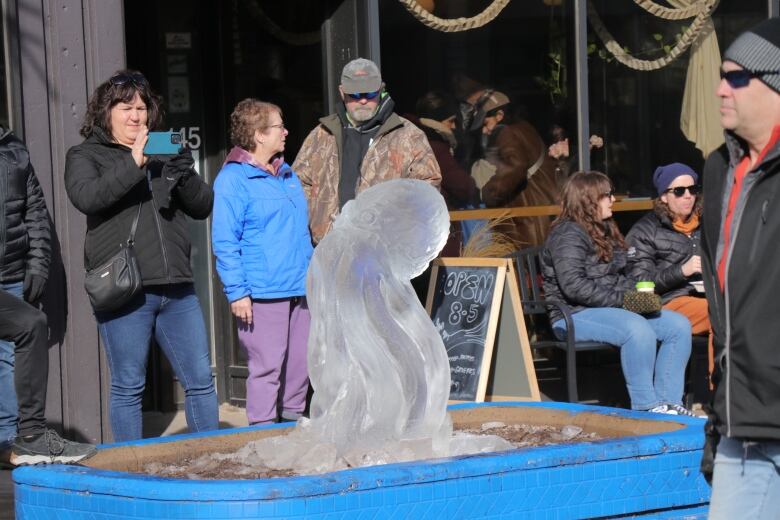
466	300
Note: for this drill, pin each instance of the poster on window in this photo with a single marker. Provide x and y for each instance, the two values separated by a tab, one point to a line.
178	94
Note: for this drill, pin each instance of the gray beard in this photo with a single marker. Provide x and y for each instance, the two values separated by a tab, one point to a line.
362	114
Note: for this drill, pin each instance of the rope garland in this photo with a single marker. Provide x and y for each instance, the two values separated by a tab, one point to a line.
669	13
704	9
455	24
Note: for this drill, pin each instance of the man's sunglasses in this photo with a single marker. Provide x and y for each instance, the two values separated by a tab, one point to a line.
608	194
357	96
679	191
123	79
741	78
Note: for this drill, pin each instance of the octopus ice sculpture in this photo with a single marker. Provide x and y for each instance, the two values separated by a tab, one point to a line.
377	364
378	367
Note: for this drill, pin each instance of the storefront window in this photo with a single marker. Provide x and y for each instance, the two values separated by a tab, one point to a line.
274	53
638	112
526	52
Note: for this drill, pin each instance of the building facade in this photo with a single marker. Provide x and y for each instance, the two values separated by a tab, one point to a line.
204	56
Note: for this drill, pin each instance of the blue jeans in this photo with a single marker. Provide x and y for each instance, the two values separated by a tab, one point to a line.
9	407
746	480
173	314
653	376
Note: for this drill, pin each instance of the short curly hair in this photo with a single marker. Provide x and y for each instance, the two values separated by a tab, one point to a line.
121	87
250	115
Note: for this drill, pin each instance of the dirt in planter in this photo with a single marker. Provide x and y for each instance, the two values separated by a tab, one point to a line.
519	435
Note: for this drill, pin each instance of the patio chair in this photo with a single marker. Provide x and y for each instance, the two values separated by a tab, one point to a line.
528	265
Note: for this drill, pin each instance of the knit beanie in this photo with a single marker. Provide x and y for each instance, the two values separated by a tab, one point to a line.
665	175
758	49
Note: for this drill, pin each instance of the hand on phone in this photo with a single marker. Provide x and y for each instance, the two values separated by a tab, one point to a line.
138	146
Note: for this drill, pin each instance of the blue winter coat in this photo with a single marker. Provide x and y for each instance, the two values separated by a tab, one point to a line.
260	232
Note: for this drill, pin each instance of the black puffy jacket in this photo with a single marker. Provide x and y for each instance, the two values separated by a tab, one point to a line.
659	251
104	182
575	275
25	236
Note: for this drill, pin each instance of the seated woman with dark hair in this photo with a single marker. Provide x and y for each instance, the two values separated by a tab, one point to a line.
584	266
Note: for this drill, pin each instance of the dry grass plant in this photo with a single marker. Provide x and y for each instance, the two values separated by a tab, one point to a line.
488	242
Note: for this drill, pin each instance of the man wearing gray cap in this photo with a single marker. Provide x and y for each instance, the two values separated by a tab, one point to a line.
740	233
362	144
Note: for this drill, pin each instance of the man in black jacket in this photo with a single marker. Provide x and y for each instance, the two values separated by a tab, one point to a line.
25	253
740	233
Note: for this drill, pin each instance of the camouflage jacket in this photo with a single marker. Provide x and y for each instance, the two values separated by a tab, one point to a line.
399	150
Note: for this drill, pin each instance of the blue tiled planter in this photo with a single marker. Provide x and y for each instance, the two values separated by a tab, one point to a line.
650	470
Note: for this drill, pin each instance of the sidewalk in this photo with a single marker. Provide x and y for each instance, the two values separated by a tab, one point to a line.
158	424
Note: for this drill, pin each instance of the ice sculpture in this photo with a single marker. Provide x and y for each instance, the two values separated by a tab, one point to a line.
378	366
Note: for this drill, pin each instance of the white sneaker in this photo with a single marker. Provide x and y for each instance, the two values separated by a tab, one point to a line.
673	409
663	408
681	410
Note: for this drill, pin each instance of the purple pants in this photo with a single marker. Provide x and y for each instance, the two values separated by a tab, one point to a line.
276	348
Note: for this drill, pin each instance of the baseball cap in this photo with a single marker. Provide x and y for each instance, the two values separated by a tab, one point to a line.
495	100
360	75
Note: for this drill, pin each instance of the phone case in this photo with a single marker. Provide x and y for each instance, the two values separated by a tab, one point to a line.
163	143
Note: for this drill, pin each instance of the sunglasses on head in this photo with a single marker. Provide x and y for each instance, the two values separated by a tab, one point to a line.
741	78
364	95
123	79
679	191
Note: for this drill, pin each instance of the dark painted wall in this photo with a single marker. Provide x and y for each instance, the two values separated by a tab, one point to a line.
65	49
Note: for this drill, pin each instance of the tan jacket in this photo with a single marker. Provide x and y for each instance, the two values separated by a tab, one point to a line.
525	176
399	150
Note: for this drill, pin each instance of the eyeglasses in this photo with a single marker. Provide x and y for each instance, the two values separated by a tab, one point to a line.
741	78
679	191
122	79
357	96
608	194
280	126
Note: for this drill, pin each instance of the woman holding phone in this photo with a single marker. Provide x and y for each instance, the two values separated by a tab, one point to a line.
119	187
585	267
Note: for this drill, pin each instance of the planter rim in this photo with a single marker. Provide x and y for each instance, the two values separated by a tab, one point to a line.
133	485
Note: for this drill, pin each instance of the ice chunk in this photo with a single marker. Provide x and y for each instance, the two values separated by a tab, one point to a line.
569	432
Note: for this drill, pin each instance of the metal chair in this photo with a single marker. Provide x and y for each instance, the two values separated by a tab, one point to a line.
528	265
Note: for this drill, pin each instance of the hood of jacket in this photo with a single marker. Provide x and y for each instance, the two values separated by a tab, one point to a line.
242	156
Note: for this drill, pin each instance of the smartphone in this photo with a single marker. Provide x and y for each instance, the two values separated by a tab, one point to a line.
163	143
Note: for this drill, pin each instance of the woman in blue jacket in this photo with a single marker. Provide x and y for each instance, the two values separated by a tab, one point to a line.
261	239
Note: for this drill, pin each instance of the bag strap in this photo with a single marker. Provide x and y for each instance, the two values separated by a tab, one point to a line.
131	238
